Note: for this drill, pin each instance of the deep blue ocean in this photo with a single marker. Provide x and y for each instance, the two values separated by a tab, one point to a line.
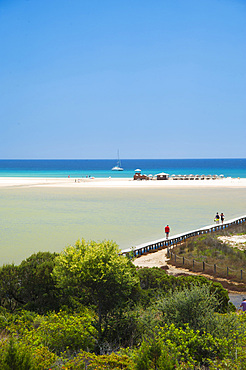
102	167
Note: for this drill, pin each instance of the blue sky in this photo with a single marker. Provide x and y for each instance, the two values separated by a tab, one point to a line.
156	79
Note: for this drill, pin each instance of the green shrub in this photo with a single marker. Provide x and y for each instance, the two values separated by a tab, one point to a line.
101	362
194	306
154	354
182	348
61	332
16	359
30	285
155	283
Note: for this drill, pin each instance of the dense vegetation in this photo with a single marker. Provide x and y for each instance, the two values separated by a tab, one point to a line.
90	308
212	251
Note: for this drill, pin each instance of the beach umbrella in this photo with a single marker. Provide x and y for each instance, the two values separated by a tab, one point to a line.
137	170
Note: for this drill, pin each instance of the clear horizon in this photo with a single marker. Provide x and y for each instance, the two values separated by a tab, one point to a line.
111	159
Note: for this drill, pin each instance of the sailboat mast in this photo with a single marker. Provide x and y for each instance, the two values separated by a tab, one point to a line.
119	162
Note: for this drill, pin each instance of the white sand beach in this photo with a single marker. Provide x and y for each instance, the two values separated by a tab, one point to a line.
119	183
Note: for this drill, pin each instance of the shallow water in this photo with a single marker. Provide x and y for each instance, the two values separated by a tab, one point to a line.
236	299
48	219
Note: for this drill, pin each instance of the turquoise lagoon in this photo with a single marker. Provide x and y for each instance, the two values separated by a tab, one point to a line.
49	219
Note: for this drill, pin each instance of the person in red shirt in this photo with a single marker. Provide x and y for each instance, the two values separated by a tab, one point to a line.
167	231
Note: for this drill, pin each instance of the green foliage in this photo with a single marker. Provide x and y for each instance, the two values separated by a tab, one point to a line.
194	347
102	362
61	332
30	285
14	359
125	328
38	290
173	347
155	283
98	273
17	355
154	354
9	287
184	320
194	306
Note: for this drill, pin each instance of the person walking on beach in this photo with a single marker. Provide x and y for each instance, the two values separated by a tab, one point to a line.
222	217
217	218
167	231
243	304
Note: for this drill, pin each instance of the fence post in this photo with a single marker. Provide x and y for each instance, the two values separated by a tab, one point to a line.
214	268
227	272
203	266
167	252
241	274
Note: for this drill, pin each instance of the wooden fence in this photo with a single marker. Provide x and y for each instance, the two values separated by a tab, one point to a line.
204	267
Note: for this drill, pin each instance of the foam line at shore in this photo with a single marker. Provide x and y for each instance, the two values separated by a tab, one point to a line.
118	183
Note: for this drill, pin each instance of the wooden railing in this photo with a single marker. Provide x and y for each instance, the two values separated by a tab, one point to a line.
173	241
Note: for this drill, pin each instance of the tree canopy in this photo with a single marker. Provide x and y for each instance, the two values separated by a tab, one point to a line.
98	272
30	284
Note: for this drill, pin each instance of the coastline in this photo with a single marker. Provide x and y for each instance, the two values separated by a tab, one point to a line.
119	183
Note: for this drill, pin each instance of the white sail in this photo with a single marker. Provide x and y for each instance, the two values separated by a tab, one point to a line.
118	166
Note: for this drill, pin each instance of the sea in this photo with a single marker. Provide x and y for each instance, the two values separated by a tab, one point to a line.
102	168
49	219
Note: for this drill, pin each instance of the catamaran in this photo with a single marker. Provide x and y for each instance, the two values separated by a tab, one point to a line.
118	166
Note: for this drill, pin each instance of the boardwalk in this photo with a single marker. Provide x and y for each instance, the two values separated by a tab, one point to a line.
155	245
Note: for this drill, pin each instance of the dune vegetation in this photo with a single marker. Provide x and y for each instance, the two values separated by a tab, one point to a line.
215	255
90	308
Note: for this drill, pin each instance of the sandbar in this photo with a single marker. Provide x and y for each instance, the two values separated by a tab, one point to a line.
227	182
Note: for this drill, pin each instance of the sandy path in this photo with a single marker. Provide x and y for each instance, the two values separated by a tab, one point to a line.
159	259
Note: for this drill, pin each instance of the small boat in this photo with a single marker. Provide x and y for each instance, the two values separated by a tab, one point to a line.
118	166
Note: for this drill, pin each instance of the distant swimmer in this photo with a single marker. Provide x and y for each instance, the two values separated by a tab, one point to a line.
167	231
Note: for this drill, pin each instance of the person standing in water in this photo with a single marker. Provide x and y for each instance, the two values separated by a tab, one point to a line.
167	231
